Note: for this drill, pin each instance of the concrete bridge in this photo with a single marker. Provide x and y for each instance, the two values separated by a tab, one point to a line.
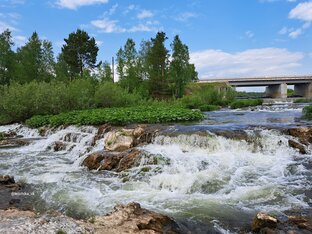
276	87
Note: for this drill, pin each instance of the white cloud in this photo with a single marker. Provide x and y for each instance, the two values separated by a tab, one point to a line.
74	4
19	40
249	34
108	26
4	26
145	14
253	62
149	26
303	11
183	17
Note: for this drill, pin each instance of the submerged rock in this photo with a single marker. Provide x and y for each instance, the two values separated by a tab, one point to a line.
105	160
298	146
14	195
14	142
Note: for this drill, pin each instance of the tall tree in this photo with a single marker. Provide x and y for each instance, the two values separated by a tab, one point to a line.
35	61
6	57
181	71
128	69
105	72
157	59
80	52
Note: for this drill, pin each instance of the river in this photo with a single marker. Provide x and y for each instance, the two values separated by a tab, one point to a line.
207	182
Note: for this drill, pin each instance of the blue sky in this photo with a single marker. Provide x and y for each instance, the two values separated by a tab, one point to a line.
226	38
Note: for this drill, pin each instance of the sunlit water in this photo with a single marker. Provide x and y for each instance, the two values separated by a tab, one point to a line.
208	183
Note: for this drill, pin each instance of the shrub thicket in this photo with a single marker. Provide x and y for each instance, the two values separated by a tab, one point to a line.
307	112
200	95
245	103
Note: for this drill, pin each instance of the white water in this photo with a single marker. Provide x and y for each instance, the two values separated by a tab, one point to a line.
209	179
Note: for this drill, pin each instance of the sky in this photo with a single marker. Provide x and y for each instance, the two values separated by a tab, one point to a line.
226	38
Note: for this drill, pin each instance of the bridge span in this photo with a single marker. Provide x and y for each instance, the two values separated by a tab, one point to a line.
276	87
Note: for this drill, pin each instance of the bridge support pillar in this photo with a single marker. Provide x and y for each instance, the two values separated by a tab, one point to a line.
276	91
303	90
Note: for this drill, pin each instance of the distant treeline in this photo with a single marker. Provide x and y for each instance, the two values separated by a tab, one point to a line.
150	70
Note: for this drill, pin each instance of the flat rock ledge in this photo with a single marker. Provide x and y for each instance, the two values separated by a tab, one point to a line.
129	219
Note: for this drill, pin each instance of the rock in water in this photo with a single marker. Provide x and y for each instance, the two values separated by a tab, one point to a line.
304	134
297	145
263	220
132	218
105	160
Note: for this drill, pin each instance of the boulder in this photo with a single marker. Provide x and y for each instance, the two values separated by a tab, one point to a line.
14	142
126	138
129	159
298	146
105	160
132	218
304	134
101	132
263	220
118	141
6	180
58	146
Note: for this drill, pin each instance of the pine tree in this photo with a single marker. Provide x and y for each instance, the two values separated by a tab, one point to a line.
181	71
35	61
80	52
157	60
6	57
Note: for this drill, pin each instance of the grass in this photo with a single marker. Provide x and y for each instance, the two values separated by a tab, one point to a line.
307	112
303	100
245	103
117	116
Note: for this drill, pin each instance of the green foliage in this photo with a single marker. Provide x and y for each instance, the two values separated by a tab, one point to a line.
303	100
80	52
290	92
105	72
157	63
34	61
245	103
307	112
181	71
207	94
206	107
6	57
108	94
118	116
249	94
19	102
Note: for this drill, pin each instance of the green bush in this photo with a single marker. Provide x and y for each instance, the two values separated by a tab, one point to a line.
245	103
206	107
307	112
118	116
303	100
207	94
108	94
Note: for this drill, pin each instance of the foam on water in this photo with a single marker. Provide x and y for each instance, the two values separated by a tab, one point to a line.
204	178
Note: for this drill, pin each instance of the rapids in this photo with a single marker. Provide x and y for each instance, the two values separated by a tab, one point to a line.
208	183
